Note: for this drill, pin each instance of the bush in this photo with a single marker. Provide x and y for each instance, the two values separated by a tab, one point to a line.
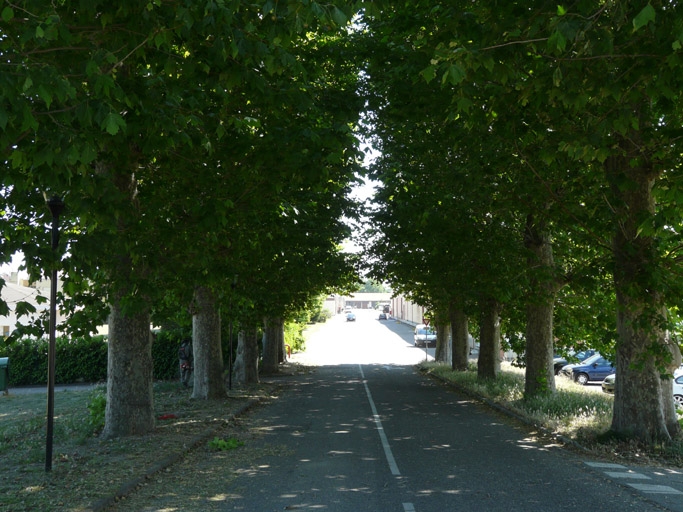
76	360
82	359
294	336
165	354
97	403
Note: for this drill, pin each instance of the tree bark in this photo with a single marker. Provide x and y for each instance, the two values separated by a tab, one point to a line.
460	338
539	377
273	338
206	346
442	328
639	404
130	397
245	371
488	366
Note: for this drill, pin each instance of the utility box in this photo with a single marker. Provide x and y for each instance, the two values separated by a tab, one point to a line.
4	373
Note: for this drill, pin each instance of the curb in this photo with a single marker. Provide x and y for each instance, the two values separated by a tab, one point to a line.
164	463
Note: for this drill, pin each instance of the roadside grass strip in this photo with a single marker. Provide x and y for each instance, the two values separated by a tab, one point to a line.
575	412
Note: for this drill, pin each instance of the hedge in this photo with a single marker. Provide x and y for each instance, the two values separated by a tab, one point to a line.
81	359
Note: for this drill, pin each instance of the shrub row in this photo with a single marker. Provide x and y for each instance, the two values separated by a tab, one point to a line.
81	359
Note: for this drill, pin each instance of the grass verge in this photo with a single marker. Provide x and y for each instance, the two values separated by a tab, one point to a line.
573	412
87	471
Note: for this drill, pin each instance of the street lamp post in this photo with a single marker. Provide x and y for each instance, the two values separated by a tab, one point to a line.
232	292
56	205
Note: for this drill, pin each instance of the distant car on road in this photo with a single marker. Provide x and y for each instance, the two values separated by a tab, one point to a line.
350	317
424	336
559	361
382	316
594	368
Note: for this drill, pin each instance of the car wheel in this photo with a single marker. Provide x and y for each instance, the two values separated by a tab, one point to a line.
582	379
679	400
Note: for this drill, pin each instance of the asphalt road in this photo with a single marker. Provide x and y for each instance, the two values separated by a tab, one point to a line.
366	432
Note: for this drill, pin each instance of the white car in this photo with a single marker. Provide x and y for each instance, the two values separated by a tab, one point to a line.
678	391
424	335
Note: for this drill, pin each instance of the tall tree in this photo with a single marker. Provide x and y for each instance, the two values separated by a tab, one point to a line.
99	105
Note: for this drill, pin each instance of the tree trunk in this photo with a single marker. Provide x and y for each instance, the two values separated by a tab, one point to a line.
273	338
130	397
206	346
282	350
539	375
245	371
639	404
488	366
442	328
460	338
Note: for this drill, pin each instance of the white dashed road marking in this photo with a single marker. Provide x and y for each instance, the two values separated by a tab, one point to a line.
655	489
625	474
635	476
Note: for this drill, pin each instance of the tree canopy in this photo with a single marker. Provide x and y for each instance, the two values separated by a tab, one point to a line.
529	167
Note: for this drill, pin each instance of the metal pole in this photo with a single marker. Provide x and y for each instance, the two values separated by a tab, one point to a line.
230	340
232	292
56	206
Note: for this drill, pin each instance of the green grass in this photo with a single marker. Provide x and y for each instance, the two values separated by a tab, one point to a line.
23	423
81	458
573	411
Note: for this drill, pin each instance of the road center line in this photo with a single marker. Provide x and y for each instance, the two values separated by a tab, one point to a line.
383	437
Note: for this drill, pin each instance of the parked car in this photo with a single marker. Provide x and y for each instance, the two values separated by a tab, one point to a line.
424	336
608	383
350	317
594	368
382	316
678	391
560	361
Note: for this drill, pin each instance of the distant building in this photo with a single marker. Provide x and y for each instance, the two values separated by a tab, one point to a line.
365	300
18	290
407	311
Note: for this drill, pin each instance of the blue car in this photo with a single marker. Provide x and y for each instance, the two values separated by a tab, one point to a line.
595	368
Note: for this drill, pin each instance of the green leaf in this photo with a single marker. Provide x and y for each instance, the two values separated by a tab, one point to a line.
453	75
24	308
89	154
45	95
339	17
113	123
644	17
557	41
7	14
561	11
428	73
557	76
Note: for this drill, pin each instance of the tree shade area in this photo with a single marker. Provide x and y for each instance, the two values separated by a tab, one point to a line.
528	165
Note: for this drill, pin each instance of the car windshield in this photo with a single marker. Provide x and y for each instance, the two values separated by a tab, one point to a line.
425	331
592	359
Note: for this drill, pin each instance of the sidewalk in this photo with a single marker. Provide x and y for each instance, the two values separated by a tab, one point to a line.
26	390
